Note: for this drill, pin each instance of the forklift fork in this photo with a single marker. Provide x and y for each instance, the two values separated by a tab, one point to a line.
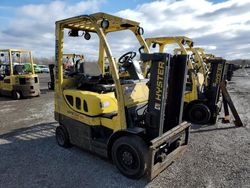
157	166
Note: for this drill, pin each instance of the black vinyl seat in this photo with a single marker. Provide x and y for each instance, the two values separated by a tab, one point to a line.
104	88
97	84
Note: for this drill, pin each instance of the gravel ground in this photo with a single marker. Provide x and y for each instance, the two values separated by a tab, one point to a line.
218	156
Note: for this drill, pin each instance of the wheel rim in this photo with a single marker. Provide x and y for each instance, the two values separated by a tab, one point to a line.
16	95
128	159
60	137
199	114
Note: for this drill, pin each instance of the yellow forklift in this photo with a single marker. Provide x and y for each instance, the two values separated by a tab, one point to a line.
204	59
202	90
197	57
200	57
70	62
182	44
203	54
229	67
16	80
135	122
216	71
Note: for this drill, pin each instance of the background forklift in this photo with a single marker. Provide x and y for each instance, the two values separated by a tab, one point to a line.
229	67
134	121
70	62
200	66
15	80
216	72
202	91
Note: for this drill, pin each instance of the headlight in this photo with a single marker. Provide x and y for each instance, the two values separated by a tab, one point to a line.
104	104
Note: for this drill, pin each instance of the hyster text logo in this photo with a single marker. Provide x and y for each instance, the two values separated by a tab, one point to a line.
218	74
159	84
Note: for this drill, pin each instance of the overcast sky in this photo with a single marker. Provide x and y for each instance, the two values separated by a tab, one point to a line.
221	27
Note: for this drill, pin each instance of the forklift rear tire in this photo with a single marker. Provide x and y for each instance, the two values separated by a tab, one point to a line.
199	113
62	137
16	95
129	153
39	94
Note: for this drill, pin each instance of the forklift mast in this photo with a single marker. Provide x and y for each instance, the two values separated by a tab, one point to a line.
51	84
159	72
217	66
168	136
229	69
164	114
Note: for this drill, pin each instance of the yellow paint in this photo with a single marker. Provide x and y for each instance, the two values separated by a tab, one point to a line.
97	104
135	94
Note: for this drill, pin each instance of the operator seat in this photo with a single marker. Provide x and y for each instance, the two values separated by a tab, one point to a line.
99	83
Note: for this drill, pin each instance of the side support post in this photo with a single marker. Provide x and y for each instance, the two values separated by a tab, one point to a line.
229	101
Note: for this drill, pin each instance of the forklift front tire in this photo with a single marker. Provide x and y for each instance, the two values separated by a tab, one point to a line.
129	153
199	113
62	137
16	95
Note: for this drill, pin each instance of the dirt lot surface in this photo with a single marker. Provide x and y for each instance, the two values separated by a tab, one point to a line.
218	155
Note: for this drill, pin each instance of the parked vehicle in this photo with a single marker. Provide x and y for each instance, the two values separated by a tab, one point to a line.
17	79
37	68
44	68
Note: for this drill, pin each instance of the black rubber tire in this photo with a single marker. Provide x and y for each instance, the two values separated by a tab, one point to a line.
199	113
134	150
16	95
39	94
62	137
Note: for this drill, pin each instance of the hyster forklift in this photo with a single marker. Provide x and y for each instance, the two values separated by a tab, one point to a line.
228	70
199	63
201	58
16	80
216	72
70	61
202	90
135	122
69	65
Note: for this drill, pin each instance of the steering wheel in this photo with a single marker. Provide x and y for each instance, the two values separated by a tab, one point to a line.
126	57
